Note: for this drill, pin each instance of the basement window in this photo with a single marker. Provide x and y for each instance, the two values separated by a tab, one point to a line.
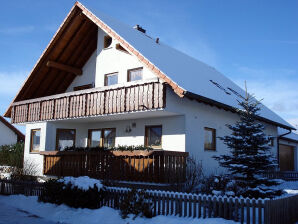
107	41
210	139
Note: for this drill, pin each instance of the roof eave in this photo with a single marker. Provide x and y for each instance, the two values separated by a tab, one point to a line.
230	108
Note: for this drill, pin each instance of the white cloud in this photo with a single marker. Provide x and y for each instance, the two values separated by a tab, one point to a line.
11	82
16	30
279	92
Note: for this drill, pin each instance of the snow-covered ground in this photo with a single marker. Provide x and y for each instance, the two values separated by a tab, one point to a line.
290	187
17	209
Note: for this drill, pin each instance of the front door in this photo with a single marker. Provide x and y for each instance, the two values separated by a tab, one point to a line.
286	158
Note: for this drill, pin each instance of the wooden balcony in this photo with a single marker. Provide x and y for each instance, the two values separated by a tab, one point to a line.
91	102
145	166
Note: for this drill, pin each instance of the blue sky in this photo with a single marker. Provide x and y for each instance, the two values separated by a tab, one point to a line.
256	41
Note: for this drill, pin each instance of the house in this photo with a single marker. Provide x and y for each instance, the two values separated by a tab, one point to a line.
288	145
102	83
9	134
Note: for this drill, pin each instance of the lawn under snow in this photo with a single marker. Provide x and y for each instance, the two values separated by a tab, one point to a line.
16	209
290	187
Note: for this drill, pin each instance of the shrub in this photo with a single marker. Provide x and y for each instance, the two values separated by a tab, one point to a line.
116	148
136	202
12	155
60	193
27	172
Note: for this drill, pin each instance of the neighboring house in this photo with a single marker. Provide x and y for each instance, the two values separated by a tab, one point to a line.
101	82
288	146
9	134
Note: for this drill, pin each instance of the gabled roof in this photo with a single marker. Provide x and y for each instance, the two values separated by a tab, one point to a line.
186	75
19	134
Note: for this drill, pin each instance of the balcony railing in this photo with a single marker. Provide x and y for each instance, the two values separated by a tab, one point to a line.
145	166
92	102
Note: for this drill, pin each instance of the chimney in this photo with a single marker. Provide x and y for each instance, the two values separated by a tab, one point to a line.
139	28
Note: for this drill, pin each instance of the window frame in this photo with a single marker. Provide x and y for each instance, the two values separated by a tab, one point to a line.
106	78
31	140
146	141
213	130
133	69
58	130
102	130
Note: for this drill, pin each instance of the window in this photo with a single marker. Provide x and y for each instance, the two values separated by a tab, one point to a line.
210	139
102	137
65	138
88	86
107	41
135	74
153	136
35	140
109	138
111	79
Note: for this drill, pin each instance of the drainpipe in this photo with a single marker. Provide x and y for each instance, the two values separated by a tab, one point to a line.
278	137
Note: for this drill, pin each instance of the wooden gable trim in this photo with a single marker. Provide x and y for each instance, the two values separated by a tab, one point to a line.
46	51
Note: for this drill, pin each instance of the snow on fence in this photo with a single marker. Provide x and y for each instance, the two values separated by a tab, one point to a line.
285	175
244	210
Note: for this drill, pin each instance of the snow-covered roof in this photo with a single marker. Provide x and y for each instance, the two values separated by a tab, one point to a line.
187	72
186	75
292	136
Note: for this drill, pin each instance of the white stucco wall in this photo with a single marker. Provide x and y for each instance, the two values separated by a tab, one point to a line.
88	76
173	137
111	60
199	115
7	136
34	157
173	134
106	61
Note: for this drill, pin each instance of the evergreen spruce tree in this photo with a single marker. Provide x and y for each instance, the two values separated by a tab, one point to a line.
250	154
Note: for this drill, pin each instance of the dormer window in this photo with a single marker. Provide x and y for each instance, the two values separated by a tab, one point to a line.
107	41
111	79
135	74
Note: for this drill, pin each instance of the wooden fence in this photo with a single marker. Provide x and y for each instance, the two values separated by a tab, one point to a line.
285	175
28	188
243	210
144	166
145	96
282	210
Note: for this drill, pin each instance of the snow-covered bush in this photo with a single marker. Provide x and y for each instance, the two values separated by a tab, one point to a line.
218	185
81	192
136	202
